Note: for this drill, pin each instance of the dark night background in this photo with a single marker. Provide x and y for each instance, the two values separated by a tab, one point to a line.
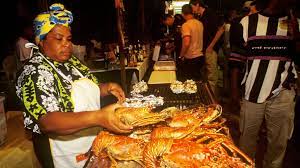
95	19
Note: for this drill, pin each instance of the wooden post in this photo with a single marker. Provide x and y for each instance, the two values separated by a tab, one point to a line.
121	42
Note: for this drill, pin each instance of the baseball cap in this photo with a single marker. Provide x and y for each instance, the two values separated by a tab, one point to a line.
248	4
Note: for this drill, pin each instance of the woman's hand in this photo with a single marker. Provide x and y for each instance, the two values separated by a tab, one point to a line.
110	121
113	89
117	91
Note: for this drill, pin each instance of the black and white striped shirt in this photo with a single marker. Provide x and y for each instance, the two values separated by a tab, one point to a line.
264	43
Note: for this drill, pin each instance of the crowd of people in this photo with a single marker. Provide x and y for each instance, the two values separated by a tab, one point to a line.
260	47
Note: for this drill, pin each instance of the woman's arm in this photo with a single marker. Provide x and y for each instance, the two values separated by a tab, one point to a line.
64	123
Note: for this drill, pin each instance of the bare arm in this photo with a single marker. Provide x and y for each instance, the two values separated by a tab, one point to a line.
112	89
216	38
185	45
64	123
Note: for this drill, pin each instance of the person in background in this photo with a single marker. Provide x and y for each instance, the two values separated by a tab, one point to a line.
168	21
168	32
236	66
231	71
249	7
109	49
211	37
61	98
295	15
95	47
166	27
264	41
179	20
191	50
26	36
79	51
230	79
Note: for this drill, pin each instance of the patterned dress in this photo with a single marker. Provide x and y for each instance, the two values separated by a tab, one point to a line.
43	90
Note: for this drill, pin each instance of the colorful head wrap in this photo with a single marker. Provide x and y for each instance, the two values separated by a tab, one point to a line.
44	22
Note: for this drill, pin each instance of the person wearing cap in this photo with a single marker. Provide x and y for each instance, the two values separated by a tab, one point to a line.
211	34
61	97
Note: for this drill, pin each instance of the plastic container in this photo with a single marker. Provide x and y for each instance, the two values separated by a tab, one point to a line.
164	66
3	126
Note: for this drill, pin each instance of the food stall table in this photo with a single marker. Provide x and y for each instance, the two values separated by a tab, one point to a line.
139	70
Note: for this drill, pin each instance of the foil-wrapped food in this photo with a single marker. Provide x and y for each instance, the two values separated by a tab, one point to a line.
177	87
139	87
189	86
144	101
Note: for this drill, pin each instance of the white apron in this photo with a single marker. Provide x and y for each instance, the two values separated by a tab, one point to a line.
85	95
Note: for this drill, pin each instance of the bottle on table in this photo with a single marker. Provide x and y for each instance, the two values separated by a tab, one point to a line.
118	55
140	52
130	56
134	58
117	52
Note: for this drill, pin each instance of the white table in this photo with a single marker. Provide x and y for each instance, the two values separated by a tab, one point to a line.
141	68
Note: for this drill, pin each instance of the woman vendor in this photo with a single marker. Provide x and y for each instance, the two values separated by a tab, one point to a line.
60	96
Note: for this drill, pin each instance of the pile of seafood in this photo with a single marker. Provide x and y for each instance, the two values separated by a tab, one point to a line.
171	138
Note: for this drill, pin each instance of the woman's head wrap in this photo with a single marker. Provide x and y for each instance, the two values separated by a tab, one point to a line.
44	22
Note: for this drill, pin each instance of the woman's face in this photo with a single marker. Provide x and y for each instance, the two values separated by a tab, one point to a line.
57	45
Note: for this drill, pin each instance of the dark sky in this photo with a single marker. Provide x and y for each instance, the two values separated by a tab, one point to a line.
93	20
90	20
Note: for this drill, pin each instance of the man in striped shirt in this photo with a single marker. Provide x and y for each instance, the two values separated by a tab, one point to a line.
263	41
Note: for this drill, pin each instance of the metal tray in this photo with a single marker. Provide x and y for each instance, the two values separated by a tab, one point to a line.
204	95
